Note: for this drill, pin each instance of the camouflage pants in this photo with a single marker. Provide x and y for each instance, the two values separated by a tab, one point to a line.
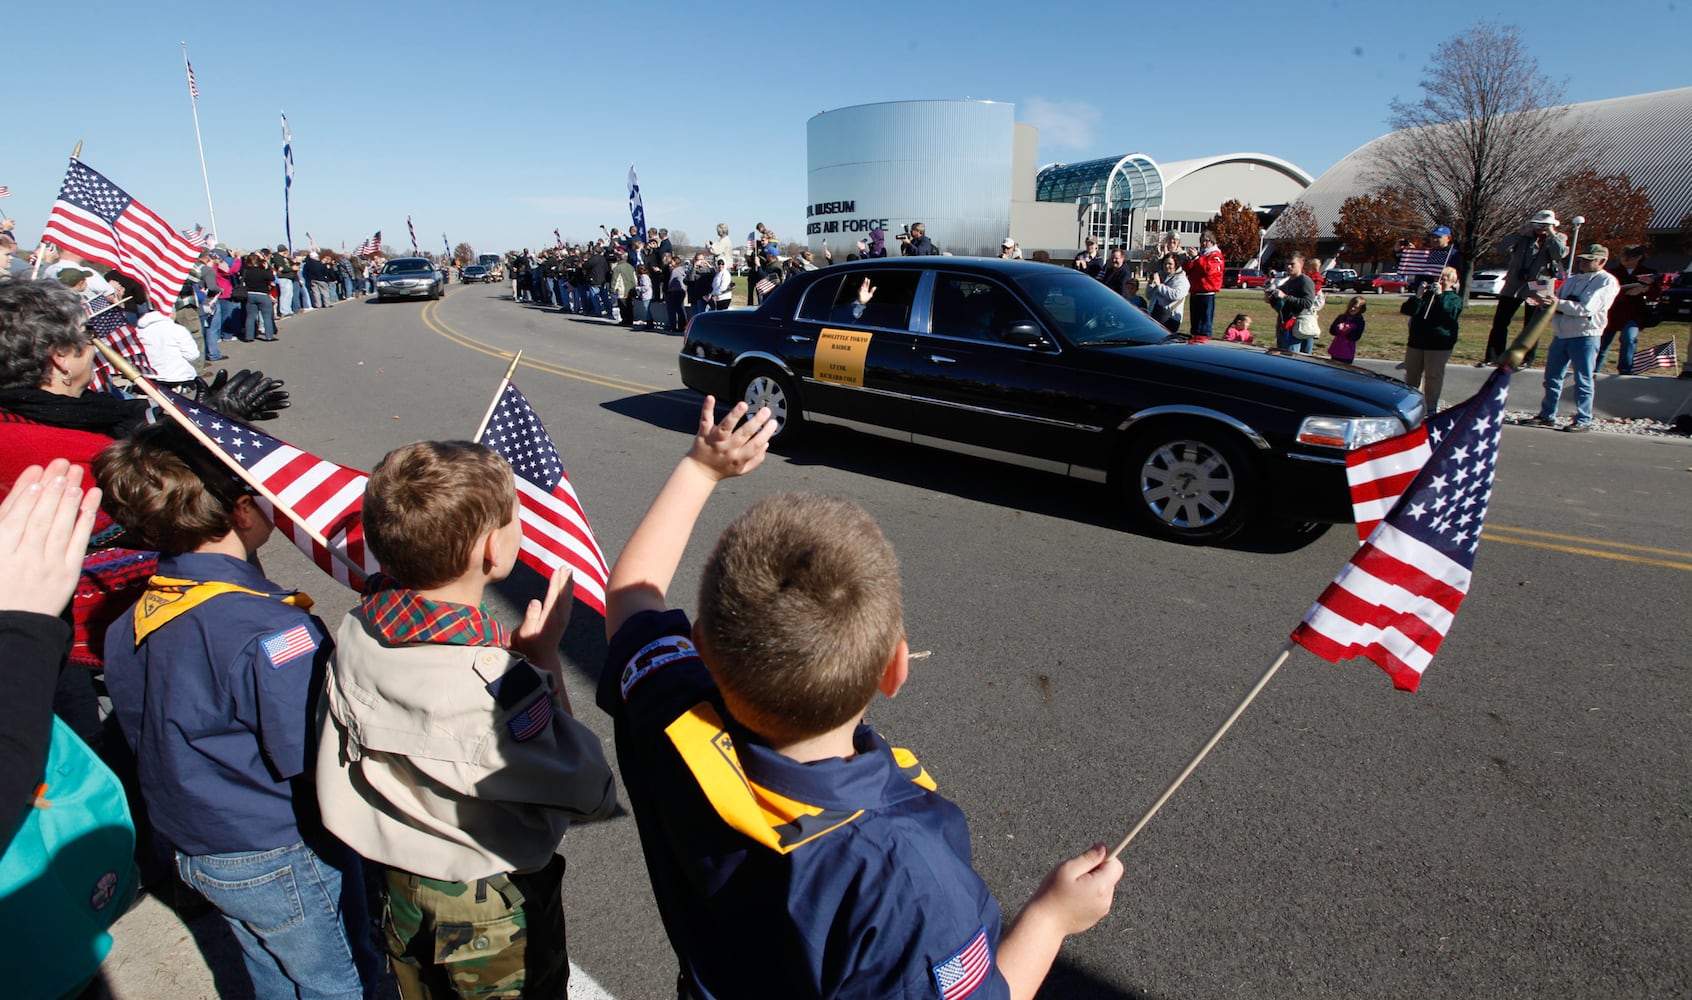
494	937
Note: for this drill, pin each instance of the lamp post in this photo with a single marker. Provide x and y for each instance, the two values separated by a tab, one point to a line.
1574	243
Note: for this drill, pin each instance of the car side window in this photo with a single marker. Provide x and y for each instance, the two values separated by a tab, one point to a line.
974	309
819	299
889	307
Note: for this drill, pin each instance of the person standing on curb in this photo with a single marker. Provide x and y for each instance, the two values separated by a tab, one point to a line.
1583	306
1204	277
1536	252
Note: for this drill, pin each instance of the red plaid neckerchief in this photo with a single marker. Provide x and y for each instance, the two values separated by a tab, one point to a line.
400	615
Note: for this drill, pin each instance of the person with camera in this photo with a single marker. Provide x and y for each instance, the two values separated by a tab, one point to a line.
1536	251
1167	293
1204	274
914	242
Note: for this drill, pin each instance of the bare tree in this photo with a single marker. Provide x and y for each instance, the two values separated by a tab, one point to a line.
1488	142
1294	231
463	254
1235	226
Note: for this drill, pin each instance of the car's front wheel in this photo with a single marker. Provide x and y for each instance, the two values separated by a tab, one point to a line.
766	385
1188	483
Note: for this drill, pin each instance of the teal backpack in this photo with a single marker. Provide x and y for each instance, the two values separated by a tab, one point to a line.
69	874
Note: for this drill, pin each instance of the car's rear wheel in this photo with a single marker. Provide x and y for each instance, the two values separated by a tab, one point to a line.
1188	483
766	385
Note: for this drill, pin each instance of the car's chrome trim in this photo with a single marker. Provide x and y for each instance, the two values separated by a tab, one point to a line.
1085	472
694	358
1199	411
989	411
1321	459
763	356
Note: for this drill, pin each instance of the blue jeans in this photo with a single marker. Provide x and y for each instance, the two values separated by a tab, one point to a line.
224	321
1201	313
285	297
260	314
300	921
208	333
1581	352
1624	357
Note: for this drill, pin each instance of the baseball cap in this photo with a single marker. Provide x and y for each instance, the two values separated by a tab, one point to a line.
1544	218
772	251
73	276
1008	243
1440	231
1594	251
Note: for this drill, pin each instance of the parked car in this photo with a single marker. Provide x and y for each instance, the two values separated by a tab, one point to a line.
409	277
475	273
1381	283
1339	277
1676	301
1046	367
1489	282
1251	277
1230	277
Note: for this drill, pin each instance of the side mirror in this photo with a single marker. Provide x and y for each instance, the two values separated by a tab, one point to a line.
1023	334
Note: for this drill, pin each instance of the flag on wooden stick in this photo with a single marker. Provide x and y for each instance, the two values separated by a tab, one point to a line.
99	221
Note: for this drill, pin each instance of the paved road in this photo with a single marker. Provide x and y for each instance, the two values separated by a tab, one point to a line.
1519	827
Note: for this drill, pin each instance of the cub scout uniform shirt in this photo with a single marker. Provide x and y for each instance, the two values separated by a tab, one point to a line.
838	878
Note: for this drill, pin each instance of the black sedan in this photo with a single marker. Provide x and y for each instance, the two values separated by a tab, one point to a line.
475	273
409	277
1045	367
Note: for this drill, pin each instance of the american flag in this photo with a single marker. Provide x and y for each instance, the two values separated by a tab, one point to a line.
370	247
5	192
196	236
958	976
555	529
413	229
1419	261
532	720
111	327
766	286
95	219
1647	358
193	91
327	496
285	647
1396	598
1379	473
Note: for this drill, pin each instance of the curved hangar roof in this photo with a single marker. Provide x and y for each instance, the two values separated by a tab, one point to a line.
1646	136
1139	181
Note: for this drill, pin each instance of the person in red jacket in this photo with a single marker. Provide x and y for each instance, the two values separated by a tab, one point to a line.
1204	276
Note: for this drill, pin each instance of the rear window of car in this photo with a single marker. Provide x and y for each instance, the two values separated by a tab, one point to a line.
407	267
889	307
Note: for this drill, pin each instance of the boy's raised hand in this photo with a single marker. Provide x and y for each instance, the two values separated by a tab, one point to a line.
729	447
544	622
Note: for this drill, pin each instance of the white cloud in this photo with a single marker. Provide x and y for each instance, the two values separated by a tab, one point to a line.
1067	124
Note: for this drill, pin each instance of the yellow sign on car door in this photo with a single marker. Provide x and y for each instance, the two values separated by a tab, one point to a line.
840	357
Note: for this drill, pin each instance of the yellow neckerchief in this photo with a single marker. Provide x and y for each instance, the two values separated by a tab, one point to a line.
773	820
167	598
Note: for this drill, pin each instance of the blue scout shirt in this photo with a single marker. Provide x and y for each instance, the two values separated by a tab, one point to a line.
217	704
838	878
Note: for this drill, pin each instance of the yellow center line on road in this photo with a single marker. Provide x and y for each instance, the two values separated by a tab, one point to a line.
432	319
1504	533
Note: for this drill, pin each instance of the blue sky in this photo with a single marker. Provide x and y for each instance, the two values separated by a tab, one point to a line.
495	123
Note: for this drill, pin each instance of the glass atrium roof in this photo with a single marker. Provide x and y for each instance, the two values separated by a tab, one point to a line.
1137	182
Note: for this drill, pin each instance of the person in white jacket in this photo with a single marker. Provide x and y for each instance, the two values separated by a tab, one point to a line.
1167	293
171	349
1583	306
722	285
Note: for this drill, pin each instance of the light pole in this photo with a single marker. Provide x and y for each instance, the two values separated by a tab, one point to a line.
1574	243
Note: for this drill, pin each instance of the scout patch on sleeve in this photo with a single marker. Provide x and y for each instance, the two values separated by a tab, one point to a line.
657	653
958	976
523	682
288	645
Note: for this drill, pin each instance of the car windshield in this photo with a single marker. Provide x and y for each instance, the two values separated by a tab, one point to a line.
1087	312
407	267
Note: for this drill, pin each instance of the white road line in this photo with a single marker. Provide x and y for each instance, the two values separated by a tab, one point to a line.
582	986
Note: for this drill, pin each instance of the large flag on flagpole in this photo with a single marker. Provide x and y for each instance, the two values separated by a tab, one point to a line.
327	496
413	230
1396	598
555	528
287	182
637	210
99	221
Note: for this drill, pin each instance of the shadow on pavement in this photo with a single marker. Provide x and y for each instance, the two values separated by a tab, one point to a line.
981	479
1069	981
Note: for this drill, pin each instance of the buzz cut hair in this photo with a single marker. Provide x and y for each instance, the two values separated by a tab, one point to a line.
800	612
428	503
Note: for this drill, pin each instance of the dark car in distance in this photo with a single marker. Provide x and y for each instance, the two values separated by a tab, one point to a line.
475	273
409	277
1676	300
1045	367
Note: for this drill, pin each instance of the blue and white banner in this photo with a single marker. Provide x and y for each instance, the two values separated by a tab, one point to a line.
637	211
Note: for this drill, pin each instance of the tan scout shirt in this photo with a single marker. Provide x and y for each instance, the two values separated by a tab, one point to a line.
418	766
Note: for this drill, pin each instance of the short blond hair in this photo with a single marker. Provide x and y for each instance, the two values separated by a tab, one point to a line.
428	503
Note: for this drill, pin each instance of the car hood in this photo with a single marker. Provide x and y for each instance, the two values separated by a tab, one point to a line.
1291	381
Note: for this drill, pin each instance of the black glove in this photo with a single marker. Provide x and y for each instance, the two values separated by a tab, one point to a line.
249	395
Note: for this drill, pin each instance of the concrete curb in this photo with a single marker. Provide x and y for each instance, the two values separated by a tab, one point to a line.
1629	397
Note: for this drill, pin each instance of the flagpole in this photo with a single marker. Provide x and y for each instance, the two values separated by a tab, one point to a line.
1528	340
160	399
41	244
1192	765
194	104
497	394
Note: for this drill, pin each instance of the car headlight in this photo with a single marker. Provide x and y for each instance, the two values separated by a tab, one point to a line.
1348	433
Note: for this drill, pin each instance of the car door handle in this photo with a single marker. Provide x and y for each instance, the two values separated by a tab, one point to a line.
941	359
798	338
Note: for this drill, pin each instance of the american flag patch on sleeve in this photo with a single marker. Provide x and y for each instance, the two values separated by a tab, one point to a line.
959	975
532	720
286	647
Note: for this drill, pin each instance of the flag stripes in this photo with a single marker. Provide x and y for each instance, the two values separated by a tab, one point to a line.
1647	358
98	221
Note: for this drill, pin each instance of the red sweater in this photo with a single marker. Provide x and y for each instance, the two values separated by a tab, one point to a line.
1204	272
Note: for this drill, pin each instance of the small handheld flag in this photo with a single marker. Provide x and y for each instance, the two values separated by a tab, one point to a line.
1647	358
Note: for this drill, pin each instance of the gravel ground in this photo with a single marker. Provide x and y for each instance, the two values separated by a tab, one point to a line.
1614	425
